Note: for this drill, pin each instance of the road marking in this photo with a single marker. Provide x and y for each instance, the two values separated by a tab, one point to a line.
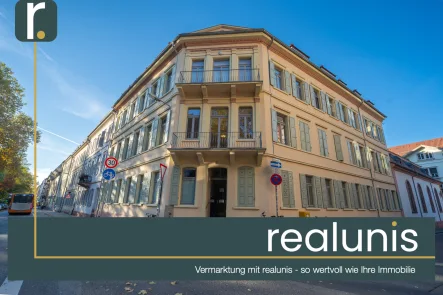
10	287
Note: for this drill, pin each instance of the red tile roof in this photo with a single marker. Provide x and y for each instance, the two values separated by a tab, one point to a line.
406	148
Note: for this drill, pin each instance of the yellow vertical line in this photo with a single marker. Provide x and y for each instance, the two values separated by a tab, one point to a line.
35	149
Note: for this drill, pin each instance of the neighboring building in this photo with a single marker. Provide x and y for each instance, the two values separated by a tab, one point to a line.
241	98
420	194
428	154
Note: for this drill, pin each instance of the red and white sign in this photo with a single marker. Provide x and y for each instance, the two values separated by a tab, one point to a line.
163	170
111	162
276	179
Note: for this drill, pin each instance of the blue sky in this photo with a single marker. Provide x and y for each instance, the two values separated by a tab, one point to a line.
391	51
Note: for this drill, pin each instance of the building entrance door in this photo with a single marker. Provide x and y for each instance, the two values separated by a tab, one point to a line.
218	185
219	128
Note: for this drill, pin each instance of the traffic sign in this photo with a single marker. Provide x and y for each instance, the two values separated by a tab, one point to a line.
111	162
276	179
275	164
108	174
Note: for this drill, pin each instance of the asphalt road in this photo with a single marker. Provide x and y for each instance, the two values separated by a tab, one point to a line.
210	287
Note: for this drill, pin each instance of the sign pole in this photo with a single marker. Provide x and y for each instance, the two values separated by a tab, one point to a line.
276	200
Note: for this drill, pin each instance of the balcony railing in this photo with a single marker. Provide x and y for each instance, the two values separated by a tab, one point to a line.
219	76
216	140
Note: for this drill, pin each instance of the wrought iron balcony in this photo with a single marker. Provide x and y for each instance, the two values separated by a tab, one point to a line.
216	140
219	76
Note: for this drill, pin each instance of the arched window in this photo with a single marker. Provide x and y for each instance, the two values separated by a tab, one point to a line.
422	199
246	187
411	197
437	197
430	200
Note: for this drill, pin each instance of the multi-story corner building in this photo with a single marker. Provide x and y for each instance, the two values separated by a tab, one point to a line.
420	194
217	105
428	154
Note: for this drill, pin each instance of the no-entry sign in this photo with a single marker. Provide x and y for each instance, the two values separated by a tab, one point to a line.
276	179
111	162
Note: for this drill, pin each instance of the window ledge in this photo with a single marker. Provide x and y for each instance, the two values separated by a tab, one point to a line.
280	90
186	206
361	209
138	205
372	209
289	208
332	209
348	209
150	205
245	208
125	204
313	209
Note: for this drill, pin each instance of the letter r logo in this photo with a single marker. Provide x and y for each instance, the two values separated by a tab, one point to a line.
36	20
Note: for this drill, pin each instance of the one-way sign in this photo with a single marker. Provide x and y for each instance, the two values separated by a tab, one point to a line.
276	164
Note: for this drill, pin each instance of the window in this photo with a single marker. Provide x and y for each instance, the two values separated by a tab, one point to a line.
125	149
421	156
305	137
102	139
169	83
310	190
331	106
161	138
375	160
382	199
433	172
188	186
245	122
411	197
343	112
141	102
132	111
117	153
125	115
368	197
368	127
345	194
197	71
316	102
117	192
422	199
360	199
323	143
338	149
281	128
221	70
193	124
139	189
351	151
135	142
329	193
352	120
364	162
147	137
245	69
430	200
128	185
437	197
299	90
155	184
278	76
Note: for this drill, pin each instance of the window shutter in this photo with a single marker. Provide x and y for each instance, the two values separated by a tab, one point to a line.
387	165
390	200
318	193
175	185
338	150
350	195
398	201
356	197
172	82
246	187
294	86
285	189
137	101
350	116
365	196
288	82
342	195
359	123
128	112
132	189
272	73
154	133
380	166
328	105
147	97
166	135
274	125
307	93
313	101
325	193
129	150
293	132
357	154
291	190
308	138
338	110
323	102
140	140
304	191
373	195
144	192
121	196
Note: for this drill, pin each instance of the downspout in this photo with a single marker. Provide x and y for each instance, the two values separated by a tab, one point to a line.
418	197
366	148
270	97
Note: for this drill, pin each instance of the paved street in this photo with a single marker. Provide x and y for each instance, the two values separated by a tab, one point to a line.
208	287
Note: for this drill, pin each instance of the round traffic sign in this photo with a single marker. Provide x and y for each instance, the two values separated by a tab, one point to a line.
108	174
111	162
276	179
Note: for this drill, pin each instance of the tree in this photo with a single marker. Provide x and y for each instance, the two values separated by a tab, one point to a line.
16	133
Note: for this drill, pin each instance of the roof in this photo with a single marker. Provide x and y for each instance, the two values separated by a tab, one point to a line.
223	29
406	148
410	166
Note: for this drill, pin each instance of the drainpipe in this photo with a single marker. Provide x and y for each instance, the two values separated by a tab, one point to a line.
370	168
270	98
418	197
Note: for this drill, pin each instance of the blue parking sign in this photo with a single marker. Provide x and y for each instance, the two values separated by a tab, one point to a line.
108	174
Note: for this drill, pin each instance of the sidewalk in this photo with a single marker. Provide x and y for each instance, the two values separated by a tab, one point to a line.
48	213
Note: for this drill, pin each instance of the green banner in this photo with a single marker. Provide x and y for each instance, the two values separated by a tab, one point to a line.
222	248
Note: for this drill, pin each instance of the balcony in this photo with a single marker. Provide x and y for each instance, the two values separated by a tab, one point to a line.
220	83
222	147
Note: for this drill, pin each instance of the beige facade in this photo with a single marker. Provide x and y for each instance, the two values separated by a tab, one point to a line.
217	106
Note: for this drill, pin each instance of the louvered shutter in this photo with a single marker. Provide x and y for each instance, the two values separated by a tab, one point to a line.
390	200
308	138
357	153
328	105
285	189
274	125
338	149
288	82
307	93
250	186
147	97
154	133
318	193
293	132
175	185
144	192
323	102
342	202
246	185
166	133
380	166
304	191
350	195
132	190
325	193
140	140
337	107
172	82
372	194
291	190
360	124
313	101
272	73
294	86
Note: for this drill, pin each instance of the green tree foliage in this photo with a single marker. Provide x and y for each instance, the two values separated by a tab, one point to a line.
16	133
